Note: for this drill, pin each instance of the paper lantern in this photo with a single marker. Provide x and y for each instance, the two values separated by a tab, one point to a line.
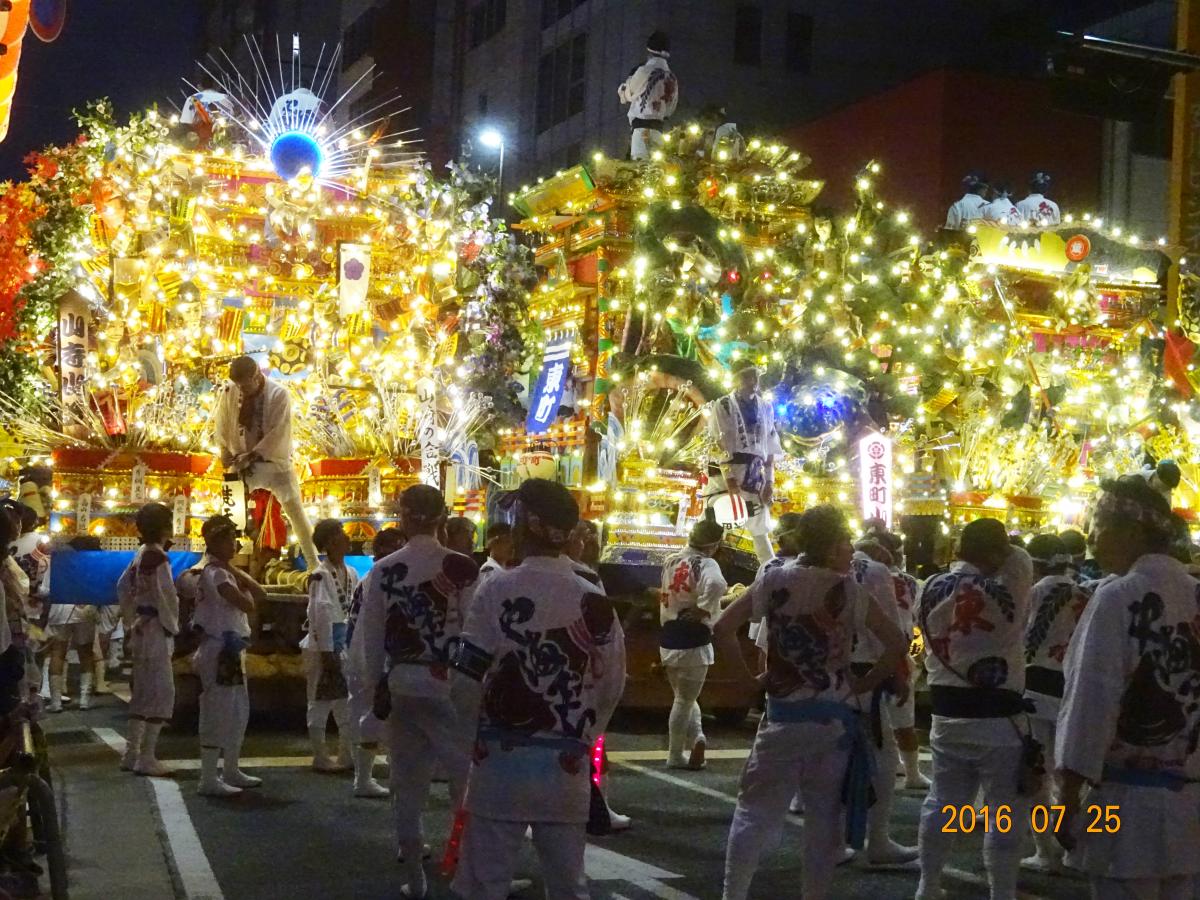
46	18
12	29
14	21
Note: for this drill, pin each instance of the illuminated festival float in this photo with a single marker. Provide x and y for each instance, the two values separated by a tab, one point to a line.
921	379
144	257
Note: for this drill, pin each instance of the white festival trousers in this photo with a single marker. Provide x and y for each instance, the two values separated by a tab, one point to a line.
152	693
319	710
224	708
787	757
423	732
959	771
490	848
684	725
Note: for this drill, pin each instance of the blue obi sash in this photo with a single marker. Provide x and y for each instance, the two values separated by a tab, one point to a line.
856	785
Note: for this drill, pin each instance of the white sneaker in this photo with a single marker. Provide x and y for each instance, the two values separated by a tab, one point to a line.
517	885
618	822
326	764
371	790
917	783
239	779
217	788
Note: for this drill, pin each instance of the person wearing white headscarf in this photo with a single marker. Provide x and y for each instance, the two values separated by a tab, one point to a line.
1127	751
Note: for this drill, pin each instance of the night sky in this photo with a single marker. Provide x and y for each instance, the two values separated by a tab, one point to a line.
134	52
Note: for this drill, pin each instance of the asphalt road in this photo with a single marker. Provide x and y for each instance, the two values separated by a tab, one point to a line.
303	835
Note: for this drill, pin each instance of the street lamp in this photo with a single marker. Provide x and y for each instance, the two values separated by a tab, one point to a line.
492	138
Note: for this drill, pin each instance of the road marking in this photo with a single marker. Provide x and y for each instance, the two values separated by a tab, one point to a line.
112	738
187	854
602	864
730	799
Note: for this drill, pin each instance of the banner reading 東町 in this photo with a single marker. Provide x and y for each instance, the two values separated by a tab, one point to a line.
547	392
875	477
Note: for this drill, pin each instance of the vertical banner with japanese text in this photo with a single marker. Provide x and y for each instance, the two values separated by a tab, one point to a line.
547	392
875	477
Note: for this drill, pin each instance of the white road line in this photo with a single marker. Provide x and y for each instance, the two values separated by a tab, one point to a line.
730	799
602	864
111	738
187	854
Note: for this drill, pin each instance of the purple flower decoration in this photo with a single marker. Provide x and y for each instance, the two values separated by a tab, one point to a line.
353	269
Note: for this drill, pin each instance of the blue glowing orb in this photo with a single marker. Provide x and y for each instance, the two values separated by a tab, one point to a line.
294	152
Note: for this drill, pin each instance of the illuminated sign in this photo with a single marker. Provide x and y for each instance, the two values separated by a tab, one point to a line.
875	477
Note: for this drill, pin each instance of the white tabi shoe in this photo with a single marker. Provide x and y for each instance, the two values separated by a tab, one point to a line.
211	784
889	853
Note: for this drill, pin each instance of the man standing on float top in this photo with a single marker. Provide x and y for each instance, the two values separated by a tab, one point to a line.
253	431
652	93
742	424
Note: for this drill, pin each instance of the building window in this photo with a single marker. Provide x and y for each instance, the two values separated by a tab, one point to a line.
553	10
798	55
487	19
747	35
561	80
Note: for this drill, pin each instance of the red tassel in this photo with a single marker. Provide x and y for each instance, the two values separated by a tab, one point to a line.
450	859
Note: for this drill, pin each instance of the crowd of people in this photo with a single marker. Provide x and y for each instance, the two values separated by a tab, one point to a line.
1064	690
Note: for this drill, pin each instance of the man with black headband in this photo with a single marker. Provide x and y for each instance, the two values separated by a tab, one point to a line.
1056	605
550	654
692	588
1130	719
974	641
406	630
742	425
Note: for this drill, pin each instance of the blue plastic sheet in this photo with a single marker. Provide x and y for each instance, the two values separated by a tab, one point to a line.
89	577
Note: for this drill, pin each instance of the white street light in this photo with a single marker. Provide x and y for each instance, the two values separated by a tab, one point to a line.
493	139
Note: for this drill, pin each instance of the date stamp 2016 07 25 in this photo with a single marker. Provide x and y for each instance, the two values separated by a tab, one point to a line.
965	819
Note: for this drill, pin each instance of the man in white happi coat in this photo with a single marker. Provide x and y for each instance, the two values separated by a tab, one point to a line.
742	425
1056	603
362	694
652	92
150	611
1128	750
692	588
812	738
970	207
227	599
549	651
873	576
974	630
1037	209
406	631
253	430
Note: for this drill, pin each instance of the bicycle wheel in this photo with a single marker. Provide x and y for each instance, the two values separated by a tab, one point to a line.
43	818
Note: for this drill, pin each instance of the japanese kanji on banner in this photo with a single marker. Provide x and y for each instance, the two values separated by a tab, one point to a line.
233	500
547	393
875	477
